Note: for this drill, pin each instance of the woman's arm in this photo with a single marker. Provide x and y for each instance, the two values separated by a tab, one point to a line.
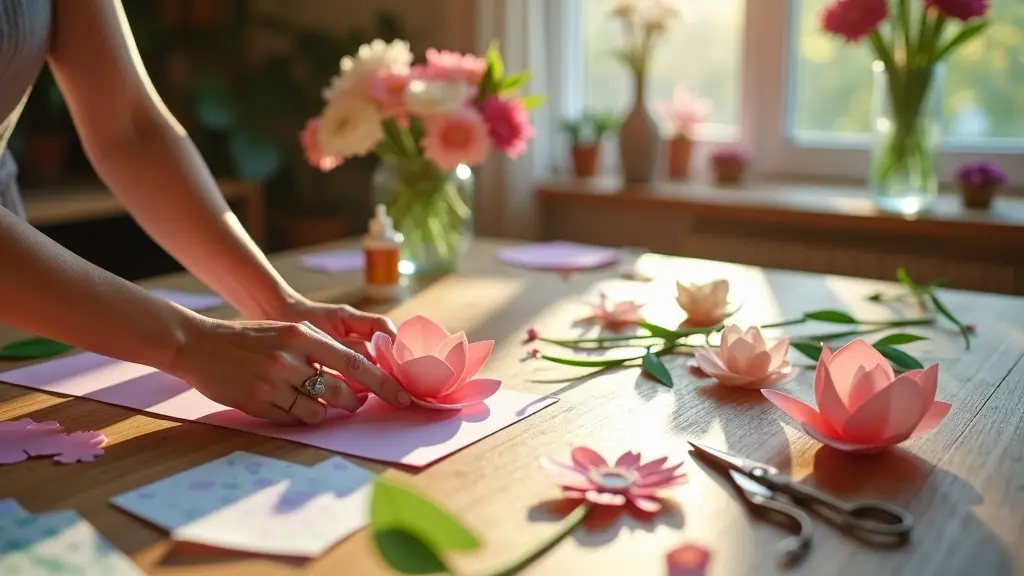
149	162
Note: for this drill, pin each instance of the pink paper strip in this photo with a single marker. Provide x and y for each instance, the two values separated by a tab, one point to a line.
333	262
414	437
559	255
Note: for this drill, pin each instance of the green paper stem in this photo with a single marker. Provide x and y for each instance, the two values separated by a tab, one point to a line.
569	523
31	348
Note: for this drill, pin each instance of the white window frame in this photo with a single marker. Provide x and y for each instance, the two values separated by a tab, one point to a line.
765	82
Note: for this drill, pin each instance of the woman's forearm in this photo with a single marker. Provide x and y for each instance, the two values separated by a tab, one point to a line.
48	291
162	180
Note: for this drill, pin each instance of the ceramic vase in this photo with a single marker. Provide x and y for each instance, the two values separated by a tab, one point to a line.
638	139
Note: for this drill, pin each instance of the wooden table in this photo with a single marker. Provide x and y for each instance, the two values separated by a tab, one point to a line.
962	481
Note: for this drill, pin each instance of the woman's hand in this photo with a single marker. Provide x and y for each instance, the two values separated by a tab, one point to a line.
260	368
342	322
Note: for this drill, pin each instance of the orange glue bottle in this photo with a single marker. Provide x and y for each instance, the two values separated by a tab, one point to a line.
382	248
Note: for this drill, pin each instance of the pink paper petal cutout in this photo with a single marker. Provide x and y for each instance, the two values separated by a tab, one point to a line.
688	560
24	438
81	447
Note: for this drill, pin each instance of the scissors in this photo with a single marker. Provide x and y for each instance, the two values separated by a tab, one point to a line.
764	488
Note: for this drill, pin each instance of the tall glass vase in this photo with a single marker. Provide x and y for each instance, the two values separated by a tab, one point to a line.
431	208
907	120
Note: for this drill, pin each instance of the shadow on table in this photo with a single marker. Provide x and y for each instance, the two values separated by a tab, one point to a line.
603	525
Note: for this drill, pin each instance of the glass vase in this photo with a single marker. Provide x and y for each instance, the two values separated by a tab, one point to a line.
431	208
907	120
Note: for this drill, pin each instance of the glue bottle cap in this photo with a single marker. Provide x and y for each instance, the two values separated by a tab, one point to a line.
381	225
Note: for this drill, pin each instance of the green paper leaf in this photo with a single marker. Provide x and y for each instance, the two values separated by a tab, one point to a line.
809	349
513	82
833	316
658	331
941	308
494	60
407	554
904	278
33	348
653	365
966	33
899	339
899	358
395	508
533	101
588	363
876	297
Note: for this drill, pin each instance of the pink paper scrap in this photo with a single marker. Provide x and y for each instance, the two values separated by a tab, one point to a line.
195	301
22	439
559	255
333	261
413	436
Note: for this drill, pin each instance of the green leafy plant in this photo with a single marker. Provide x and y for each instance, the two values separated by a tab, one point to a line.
590	127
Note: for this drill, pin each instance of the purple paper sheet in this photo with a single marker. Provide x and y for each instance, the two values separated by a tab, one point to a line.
559	255
195	301
333	262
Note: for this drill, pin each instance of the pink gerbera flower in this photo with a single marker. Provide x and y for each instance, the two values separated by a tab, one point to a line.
449	65
456	138
509	125
617	317
960	9
854	19
387	89
311	148
627	485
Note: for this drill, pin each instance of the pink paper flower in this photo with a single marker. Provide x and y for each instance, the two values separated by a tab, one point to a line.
80	447
688	560
387	88
862	406
685	111
532	334
310	141
449	65
617	317
24	438
456	138
436	368
960	9
744	361
854	19
509	125
627	485
705	304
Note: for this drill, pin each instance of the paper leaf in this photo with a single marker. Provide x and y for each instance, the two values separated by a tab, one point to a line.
941	308
809	349
833	316
407	554
494	60
658	331
899	358
513	82
898	339
395	509
587	363
653	365
33	348
533	101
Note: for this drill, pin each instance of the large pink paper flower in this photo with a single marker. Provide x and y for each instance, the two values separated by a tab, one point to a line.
854	19
455	66
960	9
862	406
455	138
509	125
617	317
436	368
742	359
627	485
310	140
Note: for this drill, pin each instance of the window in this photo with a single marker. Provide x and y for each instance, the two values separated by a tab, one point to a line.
801	100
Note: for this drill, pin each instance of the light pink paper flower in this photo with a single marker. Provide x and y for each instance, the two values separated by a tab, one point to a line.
450	65
627	485
459	137
436	368
387	88
509	125
24	438
310	140
743	359
685	111
705	304
79	447
617	317
688	560
862	406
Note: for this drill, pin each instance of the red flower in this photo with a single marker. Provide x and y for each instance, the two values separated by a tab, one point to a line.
960	9
508	124
854	19
532	334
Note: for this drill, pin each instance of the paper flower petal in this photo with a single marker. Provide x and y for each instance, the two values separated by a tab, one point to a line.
843	446
891	415
478	354
81	447
425	377
688	560
932	417
472	392
799	411
422	335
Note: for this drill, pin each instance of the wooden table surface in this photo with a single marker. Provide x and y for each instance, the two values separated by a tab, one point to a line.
963	481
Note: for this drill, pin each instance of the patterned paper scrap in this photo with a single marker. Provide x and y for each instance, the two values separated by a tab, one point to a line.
9	508
256	504
58	543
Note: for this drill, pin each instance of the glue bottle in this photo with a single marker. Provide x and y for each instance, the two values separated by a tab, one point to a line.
382	252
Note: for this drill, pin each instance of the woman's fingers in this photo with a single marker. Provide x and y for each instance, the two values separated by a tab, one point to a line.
296	373
267	411
354	344
296	403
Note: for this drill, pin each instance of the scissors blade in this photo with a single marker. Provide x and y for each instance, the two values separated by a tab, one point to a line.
727	460
749	485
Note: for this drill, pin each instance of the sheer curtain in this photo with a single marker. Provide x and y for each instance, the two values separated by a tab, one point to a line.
540	36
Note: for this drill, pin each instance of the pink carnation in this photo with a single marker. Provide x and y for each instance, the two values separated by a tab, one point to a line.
960	9
509	125
387	89
456	138
854	19
449	65
311	148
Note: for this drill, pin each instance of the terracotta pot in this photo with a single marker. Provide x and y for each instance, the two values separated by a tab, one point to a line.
729	173
585	159
977	196
299	231
680	150
45	159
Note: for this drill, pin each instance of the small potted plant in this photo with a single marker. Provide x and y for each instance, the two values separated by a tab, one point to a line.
978	182
586	134
684	112
729	163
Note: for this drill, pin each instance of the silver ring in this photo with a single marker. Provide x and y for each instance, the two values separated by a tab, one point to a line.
315	385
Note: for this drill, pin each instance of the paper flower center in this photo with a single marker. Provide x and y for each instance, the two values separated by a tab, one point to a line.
613	479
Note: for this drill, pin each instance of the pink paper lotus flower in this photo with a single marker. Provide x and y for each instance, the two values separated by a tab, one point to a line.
436	368
688	560
854	19
627	485
24	438
960	9
509	125
744	361
455	138
310	140
455	66
705	304
617	317
862	406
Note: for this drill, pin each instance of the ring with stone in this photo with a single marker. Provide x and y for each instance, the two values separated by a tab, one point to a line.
315	385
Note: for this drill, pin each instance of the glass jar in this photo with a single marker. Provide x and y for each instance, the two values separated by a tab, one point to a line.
430	207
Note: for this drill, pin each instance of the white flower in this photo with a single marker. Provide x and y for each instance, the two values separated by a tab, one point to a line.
377	55
431	97
625	9
350	126
704	304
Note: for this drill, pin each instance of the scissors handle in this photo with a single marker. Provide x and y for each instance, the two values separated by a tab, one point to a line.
793	549
869	517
